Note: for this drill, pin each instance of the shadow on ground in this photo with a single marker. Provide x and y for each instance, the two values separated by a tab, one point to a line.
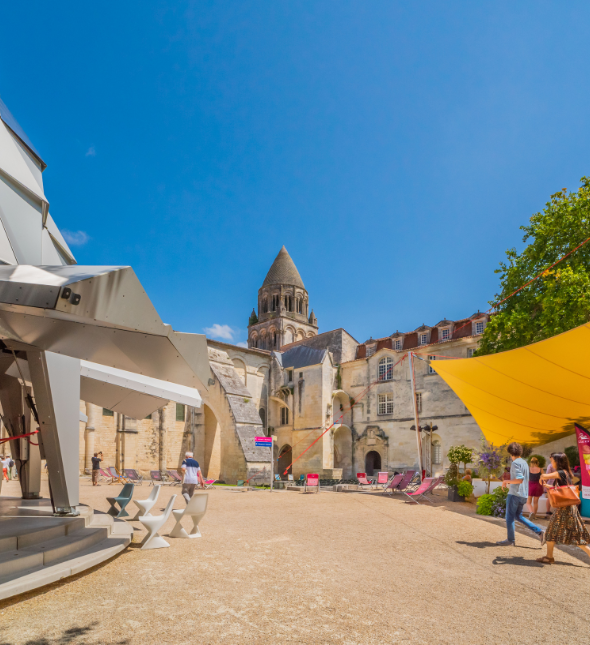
485	545
74	635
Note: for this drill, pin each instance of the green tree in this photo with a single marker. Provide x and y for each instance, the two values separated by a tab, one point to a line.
560	299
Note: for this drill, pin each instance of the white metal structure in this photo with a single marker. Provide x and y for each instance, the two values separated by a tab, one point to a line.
195	509
153	524
55	314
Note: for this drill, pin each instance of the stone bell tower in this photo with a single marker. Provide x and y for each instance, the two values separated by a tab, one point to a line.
283	308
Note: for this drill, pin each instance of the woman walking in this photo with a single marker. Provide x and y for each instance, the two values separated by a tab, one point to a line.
565	526
535	487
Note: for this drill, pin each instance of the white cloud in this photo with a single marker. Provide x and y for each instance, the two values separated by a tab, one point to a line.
91	152
76	238
220	331
242	344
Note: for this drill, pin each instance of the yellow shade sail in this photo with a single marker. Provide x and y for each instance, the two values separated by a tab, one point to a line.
533	394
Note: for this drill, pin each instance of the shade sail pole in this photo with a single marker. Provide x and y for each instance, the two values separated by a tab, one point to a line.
416	417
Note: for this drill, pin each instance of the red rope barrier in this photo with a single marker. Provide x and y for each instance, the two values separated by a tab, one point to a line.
21	436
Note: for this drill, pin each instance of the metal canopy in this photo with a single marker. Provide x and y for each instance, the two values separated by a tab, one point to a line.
134	395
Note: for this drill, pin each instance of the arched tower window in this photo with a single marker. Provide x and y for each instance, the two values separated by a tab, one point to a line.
264	305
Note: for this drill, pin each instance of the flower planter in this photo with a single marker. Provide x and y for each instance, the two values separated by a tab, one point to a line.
454	495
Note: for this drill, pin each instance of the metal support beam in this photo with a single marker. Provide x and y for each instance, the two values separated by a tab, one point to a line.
56	387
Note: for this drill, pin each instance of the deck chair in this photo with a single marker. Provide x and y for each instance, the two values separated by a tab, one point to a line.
156	478
301	481
195	509
175	478
382	479
133	476
144	506
363	481
406	482
123	498
106	475
312	482
208	483
393	483
117	476
153	524
422	492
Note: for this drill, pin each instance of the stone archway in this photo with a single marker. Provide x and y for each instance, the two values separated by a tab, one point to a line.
212	453
372	462
343	451
284	461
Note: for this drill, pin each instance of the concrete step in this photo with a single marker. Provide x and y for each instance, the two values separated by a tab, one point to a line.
24	532
15	562
68	545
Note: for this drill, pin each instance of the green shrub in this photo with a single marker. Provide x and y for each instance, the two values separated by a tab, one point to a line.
452	476
573	455
542	461
465	489
484	504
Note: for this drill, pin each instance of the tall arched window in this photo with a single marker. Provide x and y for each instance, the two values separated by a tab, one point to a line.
436	452
264	305
386	369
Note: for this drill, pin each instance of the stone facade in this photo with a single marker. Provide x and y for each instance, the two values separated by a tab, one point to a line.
295	392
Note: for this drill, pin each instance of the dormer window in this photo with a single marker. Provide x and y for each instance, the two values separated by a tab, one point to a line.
423	339
397	344
371	350
479	327
445	334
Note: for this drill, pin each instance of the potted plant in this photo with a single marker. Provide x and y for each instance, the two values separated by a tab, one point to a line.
489	463
457	455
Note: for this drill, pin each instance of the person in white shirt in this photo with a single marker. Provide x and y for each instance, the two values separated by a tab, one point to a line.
192	476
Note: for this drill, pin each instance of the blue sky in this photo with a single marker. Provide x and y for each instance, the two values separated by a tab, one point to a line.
394	147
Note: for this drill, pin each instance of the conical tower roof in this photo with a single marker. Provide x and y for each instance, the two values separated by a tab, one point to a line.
283	271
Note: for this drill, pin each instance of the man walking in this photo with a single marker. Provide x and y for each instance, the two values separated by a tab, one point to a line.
517	495
192	476
96	468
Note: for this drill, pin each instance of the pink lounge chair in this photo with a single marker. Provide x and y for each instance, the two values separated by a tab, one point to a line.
107	475
208	483
405	484
393	483
363	481
425	489
382	478
175	478
313	482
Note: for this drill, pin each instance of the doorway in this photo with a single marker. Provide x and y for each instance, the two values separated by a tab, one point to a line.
372	462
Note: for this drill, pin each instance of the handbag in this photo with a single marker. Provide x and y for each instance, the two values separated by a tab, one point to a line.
563	496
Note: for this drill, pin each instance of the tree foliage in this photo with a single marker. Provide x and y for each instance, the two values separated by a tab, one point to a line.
560	299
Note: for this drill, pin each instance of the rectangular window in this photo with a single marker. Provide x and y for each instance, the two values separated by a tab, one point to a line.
300	374
446	334
398	344
479	327
430	369
371	350
290	375
419	401
470	352
284	416
423	339
385	404
436	453
107	413
179	412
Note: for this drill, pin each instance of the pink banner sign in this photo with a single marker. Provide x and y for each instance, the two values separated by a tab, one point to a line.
584	450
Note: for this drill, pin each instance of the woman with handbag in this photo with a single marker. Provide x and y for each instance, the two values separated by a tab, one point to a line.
565	526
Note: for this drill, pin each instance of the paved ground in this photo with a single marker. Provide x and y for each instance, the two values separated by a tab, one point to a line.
329	568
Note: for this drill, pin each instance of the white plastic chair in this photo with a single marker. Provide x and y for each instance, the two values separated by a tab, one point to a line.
144	506
195	509
153	525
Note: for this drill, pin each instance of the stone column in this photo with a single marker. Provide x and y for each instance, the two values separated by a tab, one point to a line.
92	414
165	419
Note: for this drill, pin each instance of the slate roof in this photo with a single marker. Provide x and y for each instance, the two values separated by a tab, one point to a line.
12	123
302	356
283	271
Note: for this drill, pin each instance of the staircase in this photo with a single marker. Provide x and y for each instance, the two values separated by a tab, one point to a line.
37	549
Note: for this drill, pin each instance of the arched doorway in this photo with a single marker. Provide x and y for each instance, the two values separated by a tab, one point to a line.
372	462
343	451
285	459
212	452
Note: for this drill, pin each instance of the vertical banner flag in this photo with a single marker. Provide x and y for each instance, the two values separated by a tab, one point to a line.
584	450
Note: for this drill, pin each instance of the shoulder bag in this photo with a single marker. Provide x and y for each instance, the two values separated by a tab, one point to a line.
562	496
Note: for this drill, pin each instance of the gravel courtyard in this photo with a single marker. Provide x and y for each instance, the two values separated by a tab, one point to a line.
286	567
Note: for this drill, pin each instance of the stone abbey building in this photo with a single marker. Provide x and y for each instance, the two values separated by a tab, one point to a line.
293	382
